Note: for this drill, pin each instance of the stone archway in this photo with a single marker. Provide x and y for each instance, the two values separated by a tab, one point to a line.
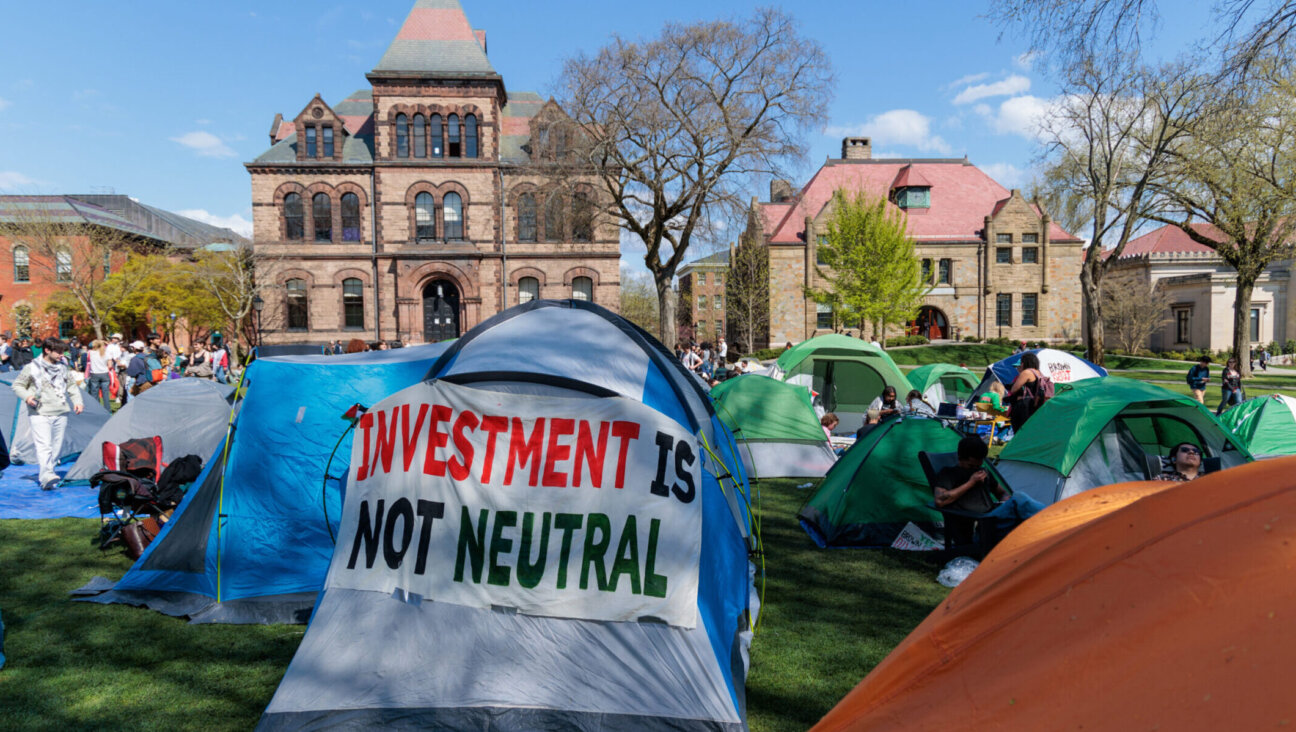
930	323
440	311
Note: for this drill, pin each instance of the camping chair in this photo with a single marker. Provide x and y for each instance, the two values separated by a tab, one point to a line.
984	538
995	419
128	498
1155	465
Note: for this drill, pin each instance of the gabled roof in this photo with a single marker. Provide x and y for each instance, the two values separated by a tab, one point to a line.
910	178
962	195
1171	239
515	125
436	38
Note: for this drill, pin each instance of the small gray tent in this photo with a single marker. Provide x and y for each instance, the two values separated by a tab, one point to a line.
16	426
190	415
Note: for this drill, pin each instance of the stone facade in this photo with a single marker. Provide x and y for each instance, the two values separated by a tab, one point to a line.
997	264
408	273
702	289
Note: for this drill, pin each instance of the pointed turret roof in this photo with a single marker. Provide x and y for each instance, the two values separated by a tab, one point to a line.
436	38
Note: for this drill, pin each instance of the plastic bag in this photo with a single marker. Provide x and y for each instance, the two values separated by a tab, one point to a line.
956	571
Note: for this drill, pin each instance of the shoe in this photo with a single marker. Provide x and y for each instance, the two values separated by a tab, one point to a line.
50	485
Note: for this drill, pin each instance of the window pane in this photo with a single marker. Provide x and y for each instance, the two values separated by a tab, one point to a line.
328	141
353	303
719	302
1028	309
350	217
322	215
420	137
583	289
452	207
701	303
296	298
1030	255
1003	238
452	136
22	270
310	142
528	289
1003	255
402	136
554	218
438	148
582	217
823	315
424	217
702	278
294	217
470	136
63	266
1003	310
1255	325
1030	238
946	265
527	217
819	260
1183	323
926	270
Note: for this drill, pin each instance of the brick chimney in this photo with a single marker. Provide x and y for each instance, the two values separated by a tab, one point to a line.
857	148
780	190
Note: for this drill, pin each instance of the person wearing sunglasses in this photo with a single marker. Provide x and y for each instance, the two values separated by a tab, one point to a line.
1183	464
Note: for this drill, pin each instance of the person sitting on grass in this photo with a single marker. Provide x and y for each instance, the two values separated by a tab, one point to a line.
1182	465
884	406
967	487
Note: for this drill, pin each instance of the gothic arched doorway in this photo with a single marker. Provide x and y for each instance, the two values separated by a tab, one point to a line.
440	311
932	323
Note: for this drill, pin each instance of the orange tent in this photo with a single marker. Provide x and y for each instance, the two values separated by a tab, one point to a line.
1136	606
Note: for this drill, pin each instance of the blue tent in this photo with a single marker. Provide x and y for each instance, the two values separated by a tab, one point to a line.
372	659
251	541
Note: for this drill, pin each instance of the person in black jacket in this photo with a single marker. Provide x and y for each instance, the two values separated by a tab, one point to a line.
22	354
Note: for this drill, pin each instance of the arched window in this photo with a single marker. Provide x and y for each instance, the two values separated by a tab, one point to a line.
294	217
583	289
452	208
424	217
22	264
438	147
420	137
470	136
554	218
310	142
350	217
402	136
296	298
328	141
526	217
528	289
352	303
452	136
63	266
322	215
582	217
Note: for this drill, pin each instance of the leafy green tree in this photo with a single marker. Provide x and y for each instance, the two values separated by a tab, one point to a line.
870	263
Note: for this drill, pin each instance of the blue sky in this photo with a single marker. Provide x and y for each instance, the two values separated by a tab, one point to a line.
165	101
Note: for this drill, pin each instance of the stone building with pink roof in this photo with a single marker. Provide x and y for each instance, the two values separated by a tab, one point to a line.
998	266
425	202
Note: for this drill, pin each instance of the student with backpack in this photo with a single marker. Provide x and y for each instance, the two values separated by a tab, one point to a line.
1029	390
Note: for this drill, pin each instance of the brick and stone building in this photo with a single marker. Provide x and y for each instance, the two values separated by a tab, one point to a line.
999	267
424	203
1201	290
702	290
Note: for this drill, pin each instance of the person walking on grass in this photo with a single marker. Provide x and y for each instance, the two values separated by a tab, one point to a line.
1199	377
46	386
1230	386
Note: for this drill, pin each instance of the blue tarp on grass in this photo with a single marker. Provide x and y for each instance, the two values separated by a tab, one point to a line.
22	498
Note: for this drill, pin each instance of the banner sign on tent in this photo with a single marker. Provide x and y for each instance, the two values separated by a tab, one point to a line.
569	507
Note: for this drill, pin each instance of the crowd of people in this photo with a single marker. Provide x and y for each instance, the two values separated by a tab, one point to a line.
357	345
711	363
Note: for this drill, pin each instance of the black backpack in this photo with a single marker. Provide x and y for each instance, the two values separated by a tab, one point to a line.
181	472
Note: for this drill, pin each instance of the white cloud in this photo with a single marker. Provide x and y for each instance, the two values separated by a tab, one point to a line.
205	144
12	180
1015	84
1025	61
240	225
1020	116
969	79
1005	174
4	104
896	127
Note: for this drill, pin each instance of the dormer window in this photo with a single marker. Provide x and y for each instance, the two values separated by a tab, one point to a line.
913	197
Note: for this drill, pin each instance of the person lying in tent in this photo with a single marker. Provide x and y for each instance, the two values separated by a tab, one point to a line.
1182	465
884	406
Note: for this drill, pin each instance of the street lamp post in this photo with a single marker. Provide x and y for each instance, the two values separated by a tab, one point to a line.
257	306
171	330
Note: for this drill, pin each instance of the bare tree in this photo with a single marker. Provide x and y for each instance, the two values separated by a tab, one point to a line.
639	301
79	258
1237	175
1109	142
676	126
747	289
1133	311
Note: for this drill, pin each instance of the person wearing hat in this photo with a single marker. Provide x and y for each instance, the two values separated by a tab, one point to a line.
46	386
139	377
114	348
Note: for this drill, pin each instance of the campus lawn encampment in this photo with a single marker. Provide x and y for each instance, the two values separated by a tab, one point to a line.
828	618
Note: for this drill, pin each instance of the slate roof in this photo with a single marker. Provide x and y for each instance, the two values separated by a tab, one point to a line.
1170	240
117	212
961	197
436	39
515	125
719	259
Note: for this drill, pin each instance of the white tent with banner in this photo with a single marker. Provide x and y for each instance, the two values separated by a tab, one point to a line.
551	532
1060	366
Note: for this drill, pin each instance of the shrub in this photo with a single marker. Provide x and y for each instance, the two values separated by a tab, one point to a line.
971	339
909	340
766	354
1289	346
1001	341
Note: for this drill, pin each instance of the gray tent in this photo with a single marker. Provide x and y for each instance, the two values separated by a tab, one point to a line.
17	428
190	415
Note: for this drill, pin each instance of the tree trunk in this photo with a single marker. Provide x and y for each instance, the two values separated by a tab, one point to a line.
666	306
1091	293
1242	323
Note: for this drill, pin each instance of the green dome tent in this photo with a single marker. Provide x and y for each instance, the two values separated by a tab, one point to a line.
878	486
1100	431
778	433
1266	425
846	373
943	382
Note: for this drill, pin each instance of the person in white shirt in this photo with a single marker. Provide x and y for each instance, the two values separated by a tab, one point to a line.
98	378
113	351
46	387
722	350
692	359
5	352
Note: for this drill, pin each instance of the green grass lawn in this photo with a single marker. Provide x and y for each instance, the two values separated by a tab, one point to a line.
974	355
829	617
